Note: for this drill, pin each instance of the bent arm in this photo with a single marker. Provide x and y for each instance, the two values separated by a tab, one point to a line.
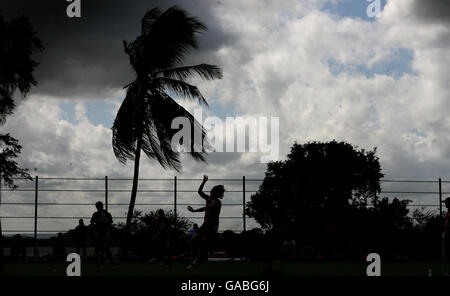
208	206
200	210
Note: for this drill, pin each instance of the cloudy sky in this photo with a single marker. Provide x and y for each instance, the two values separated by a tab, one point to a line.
324	67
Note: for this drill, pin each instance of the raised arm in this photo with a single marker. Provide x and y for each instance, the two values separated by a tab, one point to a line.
200	189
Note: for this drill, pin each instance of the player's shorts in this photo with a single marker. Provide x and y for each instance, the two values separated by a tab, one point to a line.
208	229
101	239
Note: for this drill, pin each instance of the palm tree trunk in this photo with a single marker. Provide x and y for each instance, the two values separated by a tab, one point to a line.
137	158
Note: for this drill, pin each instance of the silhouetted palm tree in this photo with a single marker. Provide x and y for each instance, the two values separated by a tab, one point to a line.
144	119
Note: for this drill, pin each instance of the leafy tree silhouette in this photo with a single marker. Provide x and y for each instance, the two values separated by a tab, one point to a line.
18	42
314	191
143	228
143	121
315	182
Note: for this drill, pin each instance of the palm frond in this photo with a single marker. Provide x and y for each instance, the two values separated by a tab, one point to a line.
124	130
156	148
169	38
161	109
197	149
155	121
182	88
135	51
148	20
204	71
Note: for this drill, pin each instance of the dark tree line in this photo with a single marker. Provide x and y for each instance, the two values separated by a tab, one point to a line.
326	195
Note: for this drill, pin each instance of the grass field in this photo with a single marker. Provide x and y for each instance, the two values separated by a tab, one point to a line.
284	268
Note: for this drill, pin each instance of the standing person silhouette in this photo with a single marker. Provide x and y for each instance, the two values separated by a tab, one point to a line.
211	219
102	221
161	237
80	233
59	248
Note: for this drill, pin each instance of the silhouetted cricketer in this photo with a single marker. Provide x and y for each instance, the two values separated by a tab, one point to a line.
102	221
211	219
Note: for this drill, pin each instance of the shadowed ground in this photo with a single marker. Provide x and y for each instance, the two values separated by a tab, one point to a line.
419	268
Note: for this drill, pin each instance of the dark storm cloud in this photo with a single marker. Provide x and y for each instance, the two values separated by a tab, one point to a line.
84	57
432	10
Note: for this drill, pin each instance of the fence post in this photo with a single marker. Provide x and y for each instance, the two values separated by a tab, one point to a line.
175	196
106	193
36	190
440	197
243	203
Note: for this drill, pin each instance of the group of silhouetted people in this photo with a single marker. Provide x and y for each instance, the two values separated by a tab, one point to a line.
101	222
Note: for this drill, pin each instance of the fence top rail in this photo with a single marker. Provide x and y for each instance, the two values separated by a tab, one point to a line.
30	233
186	191
199	179
411	181
131	179
113	190
111	204
115	217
